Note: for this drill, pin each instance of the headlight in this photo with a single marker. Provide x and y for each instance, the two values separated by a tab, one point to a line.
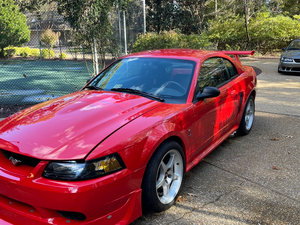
72	170
287	60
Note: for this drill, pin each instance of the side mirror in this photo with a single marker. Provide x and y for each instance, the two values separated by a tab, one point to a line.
208	92
283	49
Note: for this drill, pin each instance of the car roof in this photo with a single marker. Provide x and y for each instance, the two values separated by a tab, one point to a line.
174	53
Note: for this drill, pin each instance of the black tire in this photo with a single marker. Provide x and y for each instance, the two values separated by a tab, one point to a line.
248	117
154	197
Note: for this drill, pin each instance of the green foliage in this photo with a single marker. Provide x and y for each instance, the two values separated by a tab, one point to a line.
9	51
46	53
35	53
267	32
24	52
228	32
273	32
49	38
170	39
186	16
13	26
21	51
90	21
62	55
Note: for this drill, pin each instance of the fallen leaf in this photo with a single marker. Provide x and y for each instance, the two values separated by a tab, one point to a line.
274	139
275	168
181	199
289	136
191	194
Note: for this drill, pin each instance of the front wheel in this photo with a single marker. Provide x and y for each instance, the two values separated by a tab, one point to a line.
248	117
163	177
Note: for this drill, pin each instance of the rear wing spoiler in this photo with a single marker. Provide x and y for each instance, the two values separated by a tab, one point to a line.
237	53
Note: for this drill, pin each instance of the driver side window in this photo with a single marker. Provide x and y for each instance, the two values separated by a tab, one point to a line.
213	73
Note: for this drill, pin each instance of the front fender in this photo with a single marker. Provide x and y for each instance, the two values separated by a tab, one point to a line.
137	141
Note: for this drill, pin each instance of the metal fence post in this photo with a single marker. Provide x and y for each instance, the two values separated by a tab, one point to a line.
37	33
119	23
59	40
144	12
96	57
125	38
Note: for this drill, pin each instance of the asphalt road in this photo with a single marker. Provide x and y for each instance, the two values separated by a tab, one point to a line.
253	179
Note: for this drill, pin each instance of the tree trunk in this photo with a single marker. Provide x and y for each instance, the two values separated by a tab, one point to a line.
247	9
216	9
2	52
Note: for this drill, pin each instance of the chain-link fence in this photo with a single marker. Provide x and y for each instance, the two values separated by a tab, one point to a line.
64	67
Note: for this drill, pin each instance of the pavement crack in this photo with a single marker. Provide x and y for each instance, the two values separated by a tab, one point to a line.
282	114
219	197
182	217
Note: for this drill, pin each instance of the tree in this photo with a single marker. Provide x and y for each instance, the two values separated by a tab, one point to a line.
185	15
90	20
49	38
13	26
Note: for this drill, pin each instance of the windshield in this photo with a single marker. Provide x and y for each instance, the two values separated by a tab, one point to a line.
295	45
168	79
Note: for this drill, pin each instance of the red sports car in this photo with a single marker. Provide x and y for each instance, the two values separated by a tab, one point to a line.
124	141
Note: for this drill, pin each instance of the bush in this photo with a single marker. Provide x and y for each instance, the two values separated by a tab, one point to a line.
23	51
47	54
267	32
170	39
62	55
9	51
35	52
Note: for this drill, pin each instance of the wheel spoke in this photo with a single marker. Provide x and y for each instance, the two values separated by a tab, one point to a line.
176	176
171	162
166	189
161	175
160	182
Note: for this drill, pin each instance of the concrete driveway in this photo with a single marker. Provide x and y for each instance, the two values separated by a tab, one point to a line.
253	179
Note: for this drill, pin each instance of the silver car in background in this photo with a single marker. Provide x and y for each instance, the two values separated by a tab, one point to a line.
290	58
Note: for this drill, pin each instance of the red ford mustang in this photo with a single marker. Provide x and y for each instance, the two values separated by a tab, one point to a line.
124	142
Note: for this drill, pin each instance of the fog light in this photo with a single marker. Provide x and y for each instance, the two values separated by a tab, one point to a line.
72	215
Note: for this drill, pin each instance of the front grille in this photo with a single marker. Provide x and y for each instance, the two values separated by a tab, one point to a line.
25	160
297	60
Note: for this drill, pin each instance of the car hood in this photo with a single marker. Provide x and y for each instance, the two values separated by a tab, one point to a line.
69	127
291	54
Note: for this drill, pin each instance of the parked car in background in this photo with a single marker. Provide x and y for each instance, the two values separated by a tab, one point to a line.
123	143
290	59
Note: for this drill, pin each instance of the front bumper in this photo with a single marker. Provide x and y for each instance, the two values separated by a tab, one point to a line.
289	67
32	199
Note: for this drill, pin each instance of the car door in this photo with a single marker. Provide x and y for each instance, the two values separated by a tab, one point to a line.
213	116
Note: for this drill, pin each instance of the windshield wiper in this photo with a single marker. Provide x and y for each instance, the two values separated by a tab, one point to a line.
138	92
92	87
